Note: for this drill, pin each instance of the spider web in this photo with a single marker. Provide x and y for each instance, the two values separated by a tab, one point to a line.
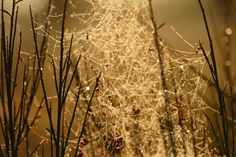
128	115
118	41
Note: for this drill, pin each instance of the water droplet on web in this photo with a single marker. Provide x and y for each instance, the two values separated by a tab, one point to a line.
228	31
87	88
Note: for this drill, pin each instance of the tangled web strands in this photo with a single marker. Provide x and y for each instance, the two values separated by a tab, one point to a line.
129	114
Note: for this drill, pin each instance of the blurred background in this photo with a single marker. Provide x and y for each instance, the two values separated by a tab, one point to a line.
183	15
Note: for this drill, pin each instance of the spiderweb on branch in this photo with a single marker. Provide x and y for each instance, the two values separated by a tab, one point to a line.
128	116
118	41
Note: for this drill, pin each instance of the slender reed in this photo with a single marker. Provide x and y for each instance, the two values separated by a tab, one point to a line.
163	81
16	119
222	128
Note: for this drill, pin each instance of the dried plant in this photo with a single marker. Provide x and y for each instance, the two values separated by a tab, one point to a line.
17	117
223	124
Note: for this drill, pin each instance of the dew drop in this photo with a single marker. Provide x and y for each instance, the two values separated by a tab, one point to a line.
228	31
87	88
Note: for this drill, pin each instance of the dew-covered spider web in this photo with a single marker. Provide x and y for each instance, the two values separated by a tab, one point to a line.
141	107
129	115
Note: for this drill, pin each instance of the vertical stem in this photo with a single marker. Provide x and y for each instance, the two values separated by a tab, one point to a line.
61	89
164	84
7	50
223	115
